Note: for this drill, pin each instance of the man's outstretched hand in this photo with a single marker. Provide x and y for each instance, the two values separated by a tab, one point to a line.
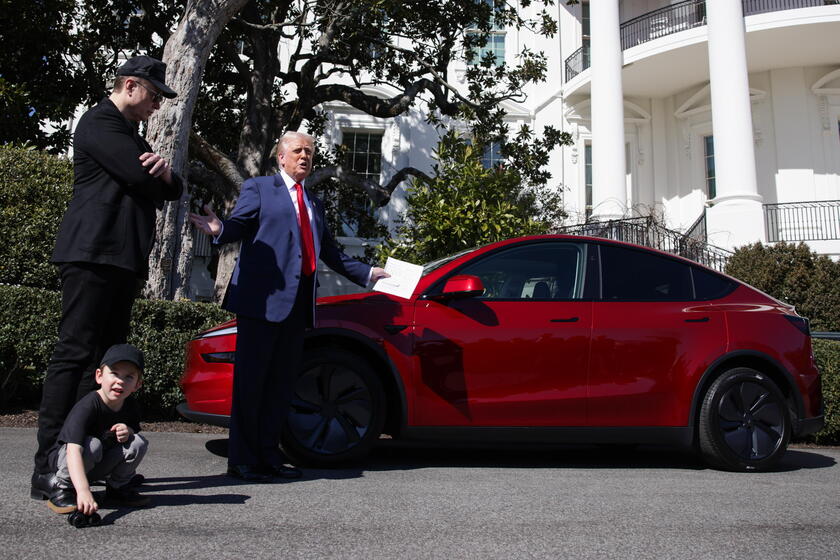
209	223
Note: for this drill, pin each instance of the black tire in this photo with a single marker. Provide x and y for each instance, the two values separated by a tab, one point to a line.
745	424
337	411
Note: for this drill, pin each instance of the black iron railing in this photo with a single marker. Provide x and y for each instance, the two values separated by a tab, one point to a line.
202	244
679	17
802	221
664	21
697	230
577	62
646	231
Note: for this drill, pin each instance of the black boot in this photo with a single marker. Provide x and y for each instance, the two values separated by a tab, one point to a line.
44	485
63	501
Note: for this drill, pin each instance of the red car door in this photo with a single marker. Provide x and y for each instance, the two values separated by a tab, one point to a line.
516	356
651	340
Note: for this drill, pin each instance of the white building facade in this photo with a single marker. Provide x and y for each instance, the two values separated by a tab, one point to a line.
721	114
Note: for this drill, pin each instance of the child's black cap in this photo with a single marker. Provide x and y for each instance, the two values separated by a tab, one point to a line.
123	353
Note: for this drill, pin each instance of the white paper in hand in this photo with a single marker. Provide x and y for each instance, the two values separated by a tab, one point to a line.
403	280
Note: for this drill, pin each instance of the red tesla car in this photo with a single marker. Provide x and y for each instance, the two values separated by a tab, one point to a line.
547	338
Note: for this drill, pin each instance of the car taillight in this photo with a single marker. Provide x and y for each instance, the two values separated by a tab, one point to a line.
800	323
219	357
219	332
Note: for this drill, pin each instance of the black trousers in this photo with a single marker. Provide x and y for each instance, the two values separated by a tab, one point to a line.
269	357
96	305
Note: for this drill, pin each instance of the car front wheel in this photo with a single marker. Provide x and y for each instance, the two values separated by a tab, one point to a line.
744	421
337	411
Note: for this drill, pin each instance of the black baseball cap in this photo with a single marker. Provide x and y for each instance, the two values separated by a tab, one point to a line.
123	353
150	69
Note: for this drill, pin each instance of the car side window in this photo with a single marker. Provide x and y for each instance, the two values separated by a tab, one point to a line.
636	275
538	271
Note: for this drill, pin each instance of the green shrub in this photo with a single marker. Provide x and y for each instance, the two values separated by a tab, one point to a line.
34	190
465	205
161	329
795	275
827	355
29	328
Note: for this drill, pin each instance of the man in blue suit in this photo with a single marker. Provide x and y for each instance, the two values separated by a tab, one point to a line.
283	232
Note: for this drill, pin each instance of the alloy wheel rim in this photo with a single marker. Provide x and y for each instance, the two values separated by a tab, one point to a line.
751	420
331	410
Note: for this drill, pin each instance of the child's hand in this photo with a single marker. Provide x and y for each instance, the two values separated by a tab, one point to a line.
122	432
85	502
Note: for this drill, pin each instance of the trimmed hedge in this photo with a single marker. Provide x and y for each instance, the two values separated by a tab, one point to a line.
793	274
35	188
29	327
827	356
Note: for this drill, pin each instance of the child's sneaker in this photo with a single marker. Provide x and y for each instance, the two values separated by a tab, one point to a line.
63	501
125	496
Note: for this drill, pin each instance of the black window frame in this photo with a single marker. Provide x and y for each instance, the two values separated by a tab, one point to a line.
694	269
586	261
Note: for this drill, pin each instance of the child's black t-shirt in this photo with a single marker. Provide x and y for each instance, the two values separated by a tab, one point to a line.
92	417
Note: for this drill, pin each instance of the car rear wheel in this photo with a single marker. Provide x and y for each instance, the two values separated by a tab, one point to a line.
744	421
337	411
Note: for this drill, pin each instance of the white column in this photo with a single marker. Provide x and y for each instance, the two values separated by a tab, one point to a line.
609	190
737	215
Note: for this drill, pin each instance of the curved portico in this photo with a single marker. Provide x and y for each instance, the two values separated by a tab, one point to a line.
737	123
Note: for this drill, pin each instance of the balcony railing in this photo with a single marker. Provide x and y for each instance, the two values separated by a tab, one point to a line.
679	17
646	231
802	221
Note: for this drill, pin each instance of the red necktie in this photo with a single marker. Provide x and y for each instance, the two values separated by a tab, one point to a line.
307	245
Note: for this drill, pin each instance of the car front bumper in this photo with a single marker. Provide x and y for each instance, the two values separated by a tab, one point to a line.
203	417
807	426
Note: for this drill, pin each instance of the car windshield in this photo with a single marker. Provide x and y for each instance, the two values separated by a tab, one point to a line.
434	265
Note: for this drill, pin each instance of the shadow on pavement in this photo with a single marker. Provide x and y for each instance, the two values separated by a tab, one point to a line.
796	459
397	454
390	455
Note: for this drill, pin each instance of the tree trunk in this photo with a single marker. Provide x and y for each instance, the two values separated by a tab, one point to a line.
185	54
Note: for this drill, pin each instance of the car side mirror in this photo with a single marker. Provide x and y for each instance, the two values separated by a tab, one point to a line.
461	286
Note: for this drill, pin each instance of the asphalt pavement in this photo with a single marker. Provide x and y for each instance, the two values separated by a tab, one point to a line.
433	502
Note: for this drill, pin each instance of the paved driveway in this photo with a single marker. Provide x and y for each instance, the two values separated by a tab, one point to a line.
411	502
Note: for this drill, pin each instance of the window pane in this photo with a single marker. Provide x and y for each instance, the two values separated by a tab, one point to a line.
708	285
363	153
541	271
587	154
634	275
495	44
492	155
363	156
709	150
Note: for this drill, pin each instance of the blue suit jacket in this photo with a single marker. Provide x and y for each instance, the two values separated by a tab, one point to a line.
265	281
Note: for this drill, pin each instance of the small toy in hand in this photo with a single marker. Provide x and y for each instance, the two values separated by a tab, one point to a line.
79	520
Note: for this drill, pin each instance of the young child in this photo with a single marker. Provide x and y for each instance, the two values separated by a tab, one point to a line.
99	439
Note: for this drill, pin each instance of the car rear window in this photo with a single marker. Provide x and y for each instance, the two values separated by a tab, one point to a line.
635	275
708	285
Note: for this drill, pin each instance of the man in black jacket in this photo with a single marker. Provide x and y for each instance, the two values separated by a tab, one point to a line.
103	244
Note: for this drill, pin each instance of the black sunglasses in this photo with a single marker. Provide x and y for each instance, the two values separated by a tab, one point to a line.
157	97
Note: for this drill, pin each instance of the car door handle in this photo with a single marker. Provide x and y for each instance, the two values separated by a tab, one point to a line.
700	320
568	320
394	329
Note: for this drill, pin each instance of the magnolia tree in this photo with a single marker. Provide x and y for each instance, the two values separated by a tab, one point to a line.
331	51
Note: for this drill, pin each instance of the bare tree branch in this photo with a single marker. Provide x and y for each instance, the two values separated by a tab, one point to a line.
216	160
391	107
379	194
